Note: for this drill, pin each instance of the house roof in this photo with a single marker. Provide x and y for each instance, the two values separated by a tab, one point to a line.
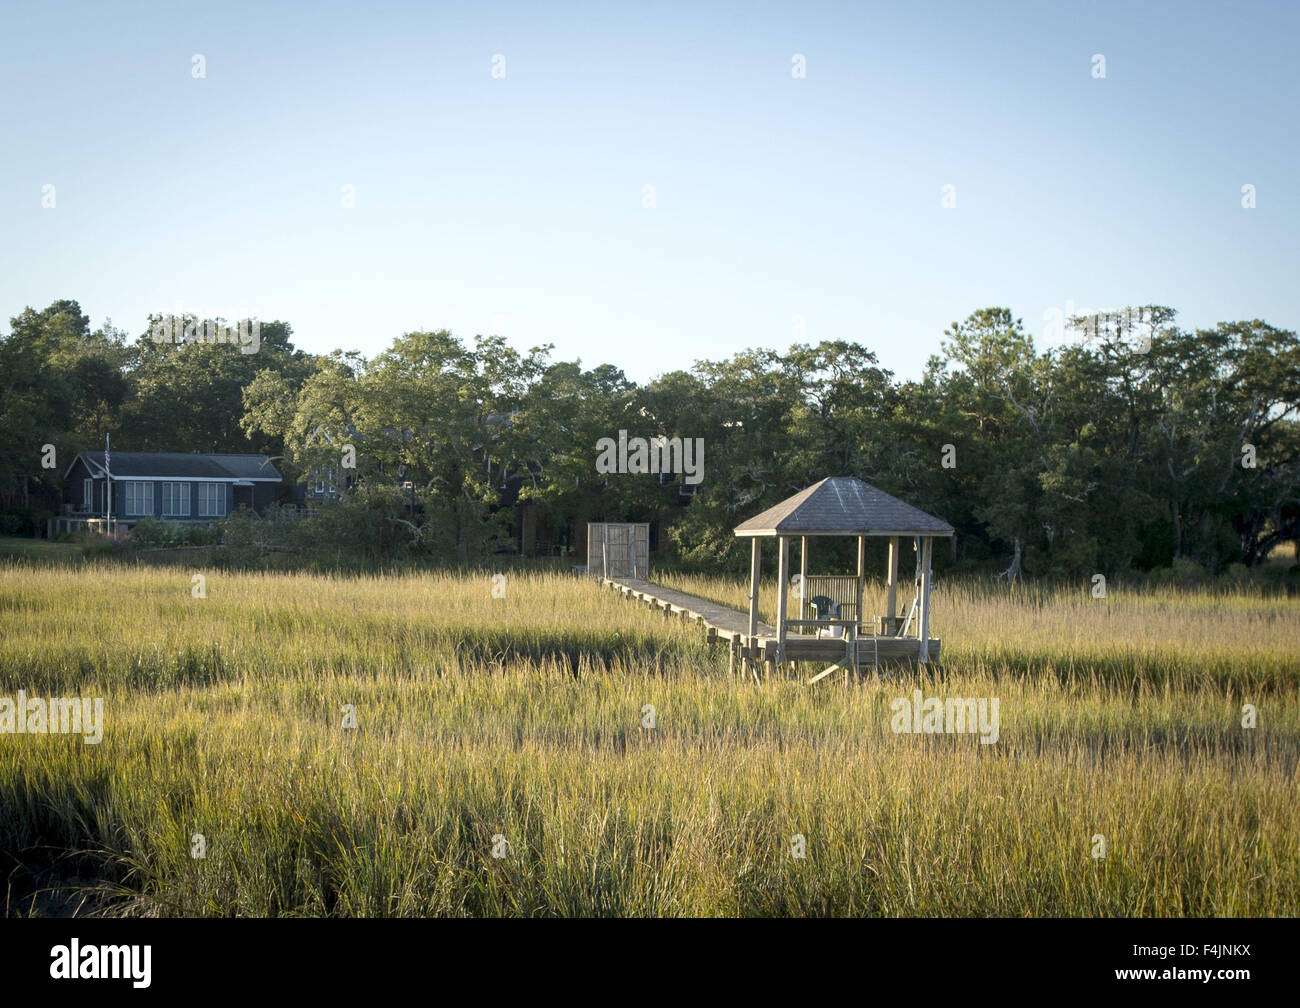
177	465
843	505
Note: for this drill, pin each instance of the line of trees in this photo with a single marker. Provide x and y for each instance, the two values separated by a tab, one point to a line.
1109	454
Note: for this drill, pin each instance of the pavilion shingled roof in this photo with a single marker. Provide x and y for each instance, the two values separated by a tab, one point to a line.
843	505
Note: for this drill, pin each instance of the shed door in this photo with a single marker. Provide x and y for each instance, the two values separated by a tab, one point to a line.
618	540
641	551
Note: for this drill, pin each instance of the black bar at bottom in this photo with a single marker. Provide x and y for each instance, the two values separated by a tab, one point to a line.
951	958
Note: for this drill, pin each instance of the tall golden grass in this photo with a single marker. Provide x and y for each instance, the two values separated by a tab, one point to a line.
522	718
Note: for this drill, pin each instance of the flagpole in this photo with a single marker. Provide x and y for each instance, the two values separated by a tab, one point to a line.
108	489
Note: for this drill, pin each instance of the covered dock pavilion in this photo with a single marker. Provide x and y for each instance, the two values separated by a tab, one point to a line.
840	506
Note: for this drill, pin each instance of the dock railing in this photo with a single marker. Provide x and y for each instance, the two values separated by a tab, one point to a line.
852	638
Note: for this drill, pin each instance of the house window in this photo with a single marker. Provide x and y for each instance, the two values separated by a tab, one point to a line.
139	498
212	500
176	499
88	495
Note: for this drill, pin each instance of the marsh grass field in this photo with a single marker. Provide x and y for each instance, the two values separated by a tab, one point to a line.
521	719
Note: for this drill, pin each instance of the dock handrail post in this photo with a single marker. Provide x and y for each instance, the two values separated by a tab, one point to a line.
851	648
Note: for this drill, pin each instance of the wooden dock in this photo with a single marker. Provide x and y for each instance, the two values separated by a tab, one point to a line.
723	623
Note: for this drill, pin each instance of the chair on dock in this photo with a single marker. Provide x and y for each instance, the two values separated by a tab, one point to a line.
826	608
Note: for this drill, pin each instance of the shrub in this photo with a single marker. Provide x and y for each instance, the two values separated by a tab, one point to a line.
1183	572
152	533
23	521
251	540
1234	575
98	547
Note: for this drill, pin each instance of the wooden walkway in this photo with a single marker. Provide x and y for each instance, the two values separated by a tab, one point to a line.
719	618
723	623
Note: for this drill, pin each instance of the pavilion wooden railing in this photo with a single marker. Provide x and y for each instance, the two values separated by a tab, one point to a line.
847	624
843	588
836	587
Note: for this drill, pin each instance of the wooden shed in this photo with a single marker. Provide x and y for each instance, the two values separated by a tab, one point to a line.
618	550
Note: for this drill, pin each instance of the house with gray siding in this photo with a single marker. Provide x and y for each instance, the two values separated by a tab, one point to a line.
166	485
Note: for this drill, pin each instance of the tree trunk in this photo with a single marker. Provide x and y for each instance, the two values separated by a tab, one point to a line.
1013	571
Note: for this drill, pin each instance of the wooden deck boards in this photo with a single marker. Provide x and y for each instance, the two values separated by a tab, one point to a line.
719	617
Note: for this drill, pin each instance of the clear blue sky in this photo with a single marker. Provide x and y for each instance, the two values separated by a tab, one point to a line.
515	204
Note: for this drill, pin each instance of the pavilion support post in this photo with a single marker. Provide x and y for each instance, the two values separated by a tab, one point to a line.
927	546
755	557
782	586
891	601
803	577
862	576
